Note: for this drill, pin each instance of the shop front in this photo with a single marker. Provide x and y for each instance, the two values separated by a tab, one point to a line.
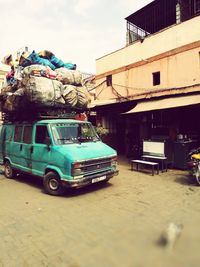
172	120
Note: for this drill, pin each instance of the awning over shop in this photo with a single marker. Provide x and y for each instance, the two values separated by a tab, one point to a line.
97	103
166	103
110	106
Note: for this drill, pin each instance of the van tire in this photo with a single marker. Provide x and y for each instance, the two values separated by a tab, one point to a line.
8	170
52	184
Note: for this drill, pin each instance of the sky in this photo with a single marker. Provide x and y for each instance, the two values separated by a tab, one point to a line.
76	31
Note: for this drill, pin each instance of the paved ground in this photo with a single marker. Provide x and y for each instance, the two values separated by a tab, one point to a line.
119	224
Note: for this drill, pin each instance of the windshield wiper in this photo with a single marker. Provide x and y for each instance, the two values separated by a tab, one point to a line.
84	139
95	139
65	139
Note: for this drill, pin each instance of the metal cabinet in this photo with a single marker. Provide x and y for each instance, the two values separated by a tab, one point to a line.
181	150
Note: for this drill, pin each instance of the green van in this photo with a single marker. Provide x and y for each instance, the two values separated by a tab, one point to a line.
65	153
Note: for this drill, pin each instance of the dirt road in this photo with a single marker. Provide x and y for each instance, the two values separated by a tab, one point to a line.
119	224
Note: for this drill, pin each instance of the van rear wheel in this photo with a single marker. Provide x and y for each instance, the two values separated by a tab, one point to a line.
52	184
8	170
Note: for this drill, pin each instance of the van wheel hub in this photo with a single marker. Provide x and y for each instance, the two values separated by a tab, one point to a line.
9	173
53	184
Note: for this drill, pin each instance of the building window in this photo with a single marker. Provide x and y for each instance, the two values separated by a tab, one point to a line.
199	59
109	80
197	6
156	78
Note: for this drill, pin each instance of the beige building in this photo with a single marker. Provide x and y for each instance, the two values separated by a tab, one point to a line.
167	59
148	86
3	70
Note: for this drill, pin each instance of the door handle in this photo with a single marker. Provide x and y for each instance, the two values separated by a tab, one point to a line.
20	147
31	149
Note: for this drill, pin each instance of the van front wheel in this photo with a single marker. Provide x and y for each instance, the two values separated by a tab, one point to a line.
8	170
52	184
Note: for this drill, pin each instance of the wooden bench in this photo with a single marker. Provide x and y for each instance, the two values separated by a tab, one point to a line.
155	150
144	162
163	161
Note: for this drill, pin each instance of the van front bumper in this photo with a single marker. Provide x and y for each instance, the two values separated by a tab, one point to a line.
78	183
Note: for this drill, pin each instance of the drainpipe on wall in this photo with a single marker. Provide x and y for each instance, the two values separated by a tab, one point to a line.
178	13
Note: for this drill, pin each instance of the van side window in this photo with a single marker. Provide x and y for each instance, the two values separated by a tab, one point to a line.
18	134
8	134
27	137
41	134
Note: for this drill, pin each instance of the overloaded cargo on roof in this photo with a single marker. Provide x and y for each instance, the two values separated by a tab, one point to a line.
42	80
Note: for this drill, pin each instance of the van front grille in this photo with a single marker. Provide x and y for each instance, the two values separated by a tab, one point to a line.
93	165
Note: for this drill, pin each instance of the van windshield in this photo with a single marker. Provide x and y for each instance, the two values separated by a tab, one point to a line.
67	133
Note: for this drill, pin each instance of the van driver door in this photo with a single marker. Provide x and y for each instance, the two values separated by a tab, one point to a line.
40	152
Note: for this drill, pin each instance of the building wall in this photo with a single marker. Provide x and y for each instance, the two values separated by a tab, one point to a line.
174	52
163	41
2	76
3	70
176	71
182	69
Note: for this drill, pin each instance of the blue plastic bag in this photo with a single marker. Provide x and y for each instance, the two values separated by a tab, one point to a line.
70	66
58	63
35	59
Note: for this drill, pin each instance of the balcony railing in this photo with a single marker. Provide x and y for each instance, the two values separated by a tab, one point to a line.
135	33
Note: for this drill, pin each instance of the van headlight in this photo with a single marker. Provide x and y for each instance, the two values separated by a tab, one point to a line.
76	169
114	162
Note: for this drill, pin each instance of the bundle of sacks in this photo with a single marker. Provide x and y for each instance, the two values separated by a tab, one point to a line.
45	80
45	58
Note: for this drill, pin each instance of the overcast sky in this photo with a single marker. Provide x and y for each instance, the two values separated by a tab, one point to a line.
77	31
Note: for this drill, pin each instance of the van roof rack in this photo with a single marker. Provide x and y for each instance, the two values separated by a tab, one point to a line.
33	115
